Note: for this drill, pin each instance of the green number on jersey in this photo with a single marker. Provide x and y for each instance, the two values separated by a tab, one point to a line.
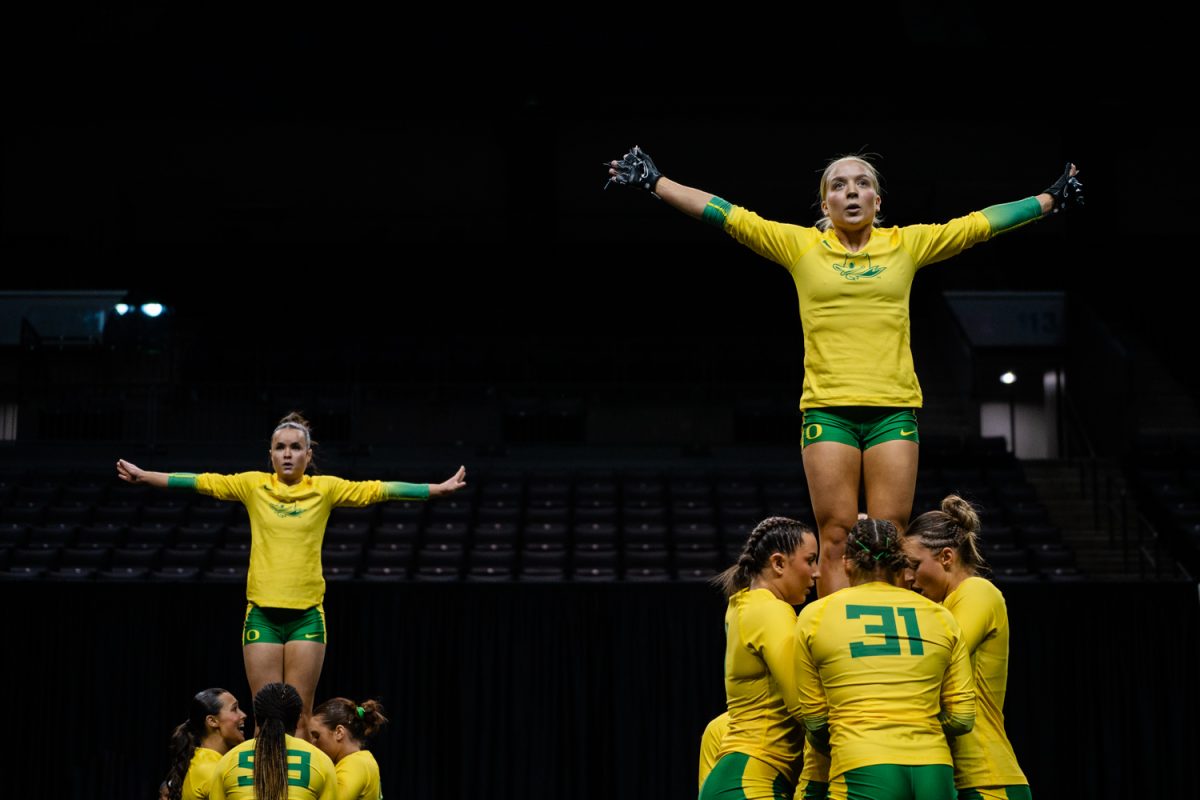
887	629
246	761
302	767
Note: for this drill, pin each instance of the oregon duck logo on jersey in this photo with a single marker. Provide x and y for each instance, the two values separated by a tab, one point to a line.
852	271
287	509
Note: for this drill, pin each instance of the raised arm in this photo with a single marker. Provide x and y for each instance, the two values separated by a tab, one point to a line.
451	485
220	487
636	169
399	490
132	473
1065	193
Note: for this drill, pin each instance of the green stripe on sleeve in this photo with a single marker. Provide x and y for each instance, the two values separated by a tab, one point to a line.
1007	216
181	480
955	724
716	212
399	490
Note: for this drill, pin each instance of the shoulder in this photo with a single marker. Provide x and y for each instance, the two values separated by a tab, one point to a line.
973	219
205	756
944	614
976	586
976	591
325	480
736	599
760	606
204	765
814	609
766	600
316	755
923	605
230	758
977	597
744	216
247	478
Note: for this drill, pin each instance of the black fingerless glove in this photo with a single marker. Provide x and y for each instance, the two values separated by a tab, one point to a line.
636	169
1067	191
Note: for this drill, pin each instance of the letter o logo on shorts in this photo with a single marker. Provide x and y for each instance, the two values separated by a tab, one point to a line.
252	635
812	431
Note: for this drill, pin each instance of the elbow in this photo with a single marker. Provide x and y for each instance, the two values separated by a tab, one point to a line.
958	724
819	741
816	730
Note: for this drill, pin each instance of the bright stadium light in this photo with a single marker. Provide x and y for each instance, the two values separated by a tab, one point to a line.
152	309
1008	378
122	309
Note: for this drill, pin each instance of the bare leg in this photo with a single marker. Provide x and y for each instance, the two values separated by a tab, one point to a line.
833	470
890	473
302	662
264	664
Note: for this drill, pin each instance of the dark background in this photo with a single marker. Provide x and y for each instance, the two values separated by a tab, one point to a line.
527	690
341	178
341	198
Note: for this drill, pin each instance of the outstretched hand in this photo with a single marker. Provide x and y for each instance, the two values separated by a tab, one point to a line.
634	169
455	482
128	472
1067	191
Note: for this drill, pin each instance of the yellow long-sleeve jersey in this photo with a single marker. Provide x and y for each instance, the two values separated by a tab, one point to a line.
881	671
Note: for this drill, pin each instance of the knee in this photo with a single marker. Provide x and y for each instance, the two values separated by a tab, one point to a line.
832	555
833	546
833	532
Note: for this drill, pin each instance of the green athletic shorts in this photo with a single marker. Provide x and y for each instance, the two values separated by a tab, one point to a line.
862	427
1016	792
737	776
282	625
895	782
812	790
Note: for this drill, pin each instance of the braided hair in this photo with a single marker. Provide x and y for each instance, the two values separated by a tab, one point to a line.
277	708
875	544
772	535
955	526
